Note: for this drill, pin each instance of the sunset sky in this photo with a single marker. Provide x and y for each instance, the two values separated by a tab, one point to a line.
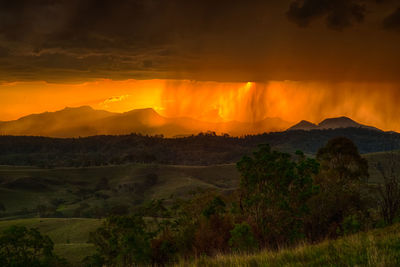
211	60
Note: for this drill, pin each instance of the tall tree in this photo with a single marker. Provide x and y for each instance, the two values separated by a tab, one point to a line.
274	189
343	172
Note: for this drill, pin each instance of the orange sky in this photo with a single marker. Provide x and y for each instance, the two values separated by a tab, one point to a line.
370	103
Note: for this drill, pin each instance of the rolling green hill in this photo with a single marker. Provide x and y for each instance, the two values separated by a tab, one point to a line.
23	189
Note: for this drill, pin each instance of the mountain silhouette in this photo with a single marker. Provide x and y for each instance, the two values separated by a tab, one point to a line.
304	125
330	123
86	121
62	123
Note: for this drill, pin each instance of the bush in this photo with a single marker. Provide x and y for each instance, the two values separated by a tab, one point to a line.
242	238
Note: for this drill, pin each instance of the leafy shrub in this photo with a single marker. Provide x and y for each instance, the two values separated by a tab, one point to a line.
242	238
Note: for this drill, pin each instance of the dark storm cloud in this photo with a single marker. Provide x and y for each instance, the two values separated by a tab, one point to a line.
339	14
101	35
392	22
182	39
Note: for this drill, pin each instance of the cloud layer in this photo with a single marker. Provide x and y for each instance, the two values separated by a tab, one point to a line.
77	40
338	14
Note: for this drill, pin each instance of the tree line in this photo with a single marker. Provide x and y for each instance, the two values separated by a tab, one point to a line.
202	149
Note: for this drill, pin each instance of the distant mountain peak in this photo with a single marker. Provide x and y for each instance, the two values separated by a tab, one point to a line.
339	122
142	111
331	123
78	108
303	125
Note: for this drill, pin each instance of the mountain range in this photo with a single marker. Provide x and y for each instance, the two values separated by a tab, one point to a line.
86	121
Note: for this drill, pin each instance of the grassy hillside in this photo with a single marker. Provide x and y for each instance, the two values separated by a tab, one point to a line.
23	188
70	236
375	248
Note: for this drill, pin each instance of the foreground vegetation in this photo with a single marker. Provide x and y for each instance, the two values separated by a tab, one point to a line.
380	247
283	200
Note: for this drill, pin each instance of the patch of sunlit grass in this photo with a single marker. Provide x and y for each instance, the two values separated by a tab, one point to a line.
376	248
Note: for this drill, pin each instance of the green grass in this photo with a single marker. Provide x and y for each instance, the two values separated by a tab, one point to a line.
70	235
379	247
26	187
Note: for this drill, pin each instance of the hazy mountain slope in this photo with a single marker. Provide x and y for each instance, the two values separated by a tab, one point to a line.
85	121
64	123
